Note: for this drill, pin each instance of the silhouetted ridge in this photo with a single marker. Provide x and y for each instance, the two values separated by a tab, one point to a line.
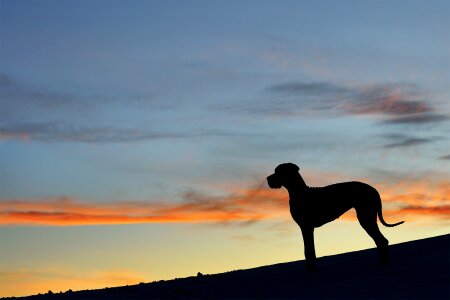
418	270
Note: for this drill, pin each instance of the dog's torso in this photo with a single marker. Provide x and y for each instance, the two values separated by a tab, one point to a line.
318	206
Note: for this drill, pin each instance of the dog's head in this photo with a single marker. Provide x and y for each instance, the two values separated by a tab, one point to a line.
283	174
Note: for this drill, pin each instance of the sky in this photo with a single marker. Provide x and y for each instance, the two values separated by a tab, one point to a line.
135	137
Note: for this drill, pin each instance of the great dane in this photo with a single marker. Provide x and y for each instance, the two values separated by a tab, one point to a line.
312	207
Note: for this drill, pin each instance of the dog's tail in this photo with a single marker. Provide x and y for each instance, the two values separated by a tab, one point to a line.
380	216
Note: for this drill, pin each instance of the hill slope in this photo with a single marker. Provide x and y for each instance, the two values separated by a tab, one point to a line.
417	270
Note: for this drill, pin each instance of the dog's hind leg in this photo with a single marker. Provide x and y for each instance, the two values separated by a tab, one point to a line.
368	221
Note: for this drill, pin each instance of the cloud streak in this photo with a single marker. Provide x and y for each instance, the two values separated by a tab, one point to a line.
58	132
388	99
240	206
394	103
20	98
443	211
308	88
401	141
15	93
249	206
424	118
29	113
39	115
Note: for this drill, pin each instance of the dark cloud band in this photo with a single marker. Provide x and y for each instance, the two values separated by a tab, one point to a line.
395	103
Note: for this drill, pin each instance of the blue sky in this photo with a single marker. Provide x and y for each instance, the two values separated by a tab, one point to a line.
111	109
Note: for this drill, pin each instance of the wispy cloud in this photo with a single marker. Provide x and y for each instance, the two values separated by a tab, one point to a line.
420	118
417	193
388	99
409	213
243	207
58	132
413	199
402	140
408	142
308	88
395	103
61	132
443	210
30	113
445	157
240	207
21	98
19	101
13	91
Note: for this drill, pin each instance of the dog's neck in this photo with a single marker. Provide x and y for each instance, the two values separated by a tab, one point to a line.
296	186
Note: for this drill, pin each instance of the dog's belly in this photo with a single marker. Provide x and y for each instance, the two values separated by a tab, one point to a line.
317	216
329	214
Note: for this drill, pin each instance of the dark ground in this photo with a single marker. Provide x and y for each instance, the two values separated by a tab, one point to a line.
417	270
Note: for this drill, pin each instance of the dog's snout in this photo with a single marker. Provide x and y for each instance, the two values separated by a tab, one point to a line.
274	181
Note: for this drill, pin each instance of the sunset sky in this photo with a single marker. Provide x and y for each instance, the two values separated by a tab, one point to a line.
136	136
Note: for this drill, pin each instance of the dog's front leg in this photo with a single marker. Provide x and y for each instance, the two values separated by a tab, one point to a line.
310	252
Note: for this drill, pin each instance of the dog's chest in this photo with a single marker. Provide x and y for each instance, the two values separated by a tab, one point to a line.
306	209
297	212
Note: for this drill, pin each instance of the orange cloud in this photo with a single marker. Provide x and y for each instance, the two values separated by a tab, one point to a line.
443	211
251	205
409	213
242	206
414	192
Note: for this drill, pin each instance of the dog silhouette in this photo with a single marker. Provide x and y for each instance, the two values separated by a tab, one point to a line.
312	207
